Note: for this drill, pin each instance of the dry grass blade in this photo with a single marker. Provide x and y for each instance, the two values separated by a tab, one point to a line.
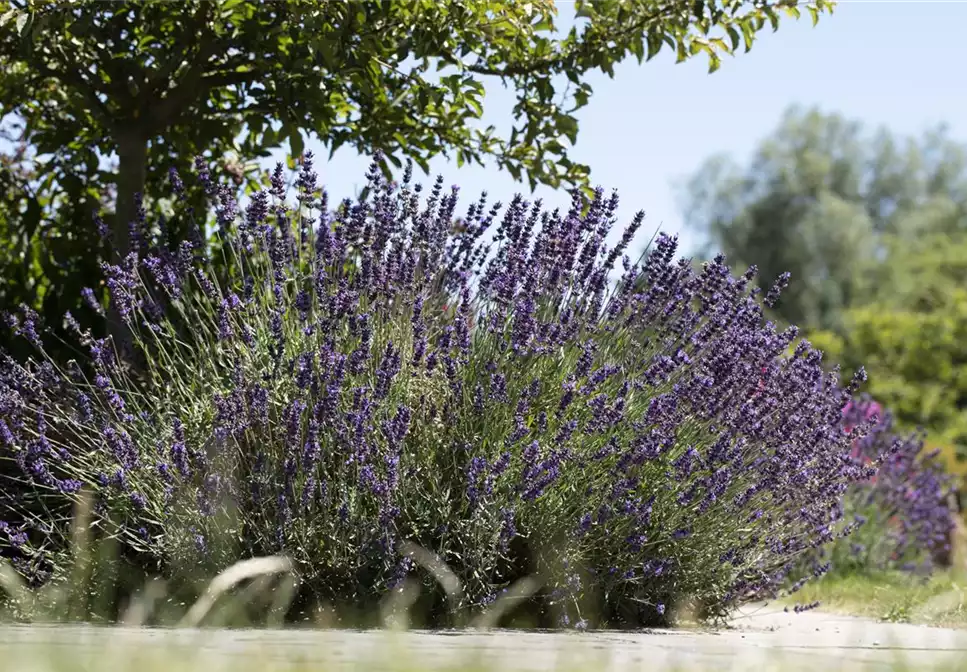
522	589
14	585
395	607
253	594
432	563
141	607
80	573
240	571
282	600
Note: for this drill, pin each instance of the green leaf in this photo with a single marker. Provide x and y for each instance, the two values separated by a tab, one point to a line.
813	14
475	105
772	16
296	143
655	40
543	24
733	36
568	125
336	143
327	52
638	49
681	52
748	35
714	62
720	43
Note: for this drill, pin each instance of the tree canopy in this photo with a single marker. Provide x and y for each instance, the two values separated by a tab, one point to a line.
824	199
911	337
158	82
353	73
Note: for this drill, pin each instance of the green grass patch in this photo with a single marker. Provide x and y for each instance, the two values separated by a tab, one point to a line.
897	597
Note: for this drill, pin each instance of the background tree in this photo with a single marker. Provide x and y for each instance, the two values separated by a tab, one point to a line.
157	83
912	337
821	199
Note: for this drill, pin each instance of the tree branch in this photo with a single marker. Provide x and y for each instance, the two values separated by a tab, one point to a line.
159	81
558	61
195	83
76	81
189	88
212	81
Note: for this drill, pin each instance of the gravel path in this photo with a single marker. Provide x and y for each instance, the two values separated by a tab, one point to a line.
761	638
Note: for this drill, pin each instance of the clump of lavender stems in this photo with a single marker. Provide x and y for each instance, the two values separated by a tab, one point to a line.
904	510
499	387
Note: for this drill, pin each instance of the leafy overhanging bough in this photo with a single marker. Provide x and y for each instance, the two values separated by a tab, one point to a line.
349	380
157	83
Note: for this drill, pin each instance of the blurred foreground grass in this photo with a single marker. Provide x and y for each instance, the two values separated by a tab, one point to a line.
39	644
56	659
123	659
46	646
896	597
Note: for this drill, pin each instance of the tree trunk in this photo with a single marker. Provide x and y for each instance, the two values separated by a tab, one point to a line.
132	169
133	154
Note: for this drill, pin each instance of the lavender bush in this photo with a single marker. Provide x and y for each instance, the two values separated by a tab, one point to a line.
904	510
384	371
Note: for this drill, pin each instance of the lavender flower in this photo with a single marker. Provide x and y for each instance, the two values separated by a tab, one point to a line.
475	470
177	185
27	325
88	295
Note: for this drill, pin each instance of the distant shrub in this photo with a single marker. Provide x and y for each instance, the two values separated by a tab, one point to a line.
353	378
904	510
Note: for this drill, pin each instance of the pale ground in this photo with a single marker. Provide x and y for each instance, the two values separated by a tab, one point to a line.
761	638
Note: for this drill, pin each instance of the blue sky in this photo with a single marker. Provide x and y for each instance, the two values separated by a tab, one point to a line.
899	64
